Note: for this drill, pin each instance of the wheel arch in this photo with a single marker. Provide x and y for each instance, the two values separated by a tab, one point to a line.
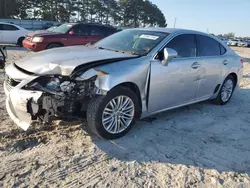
134	88
234	75
59	43
20	40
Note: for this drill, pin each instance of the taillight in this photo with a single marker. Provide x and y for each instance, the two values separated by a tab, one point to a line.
242	62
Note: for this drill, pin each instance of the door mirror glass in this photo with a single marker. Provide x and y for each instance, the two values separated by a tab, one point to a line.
168	55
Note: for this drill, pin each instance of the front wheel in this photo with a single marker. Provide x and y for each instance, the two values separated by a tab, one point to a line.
53	45
226	91
113	115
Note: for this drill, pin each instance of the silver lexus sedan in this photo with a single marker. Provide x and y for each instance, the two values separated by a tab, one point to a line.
127	76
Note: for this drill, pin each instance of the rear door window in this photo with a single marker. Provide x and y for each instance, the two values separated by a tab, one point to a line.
109	31
208	46
184	45
96	31
7	27
80	30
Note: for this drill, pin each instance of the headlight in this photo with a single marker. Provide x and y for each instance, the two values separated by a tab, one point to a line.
37	39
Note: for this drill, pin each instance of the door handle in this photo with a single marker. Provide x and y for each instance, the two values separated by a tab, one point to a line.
225	62
195	65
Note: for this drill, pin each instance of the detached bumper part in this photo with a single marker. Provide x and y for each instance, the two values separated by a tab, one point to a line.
19	103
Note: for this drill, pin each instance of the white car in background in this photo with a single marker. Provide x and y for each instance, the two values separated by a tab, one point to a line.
12	34
243	44
233	42
224	40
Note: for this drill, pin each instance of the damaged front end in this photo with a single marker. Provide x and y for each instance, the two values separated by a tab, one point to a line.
48	97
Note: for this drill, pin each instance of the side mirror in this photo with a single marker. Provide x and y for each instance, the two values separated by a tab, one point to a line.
168	55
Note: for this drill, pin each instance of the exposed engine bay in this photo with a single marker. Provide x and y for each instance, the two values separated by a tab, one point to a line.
61	96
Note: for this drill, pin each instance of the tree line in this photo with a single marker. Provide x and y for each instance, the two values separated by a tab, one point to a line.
126	13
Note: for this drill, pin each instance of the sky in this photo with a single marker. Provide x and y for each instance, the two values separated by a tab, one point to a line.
213	16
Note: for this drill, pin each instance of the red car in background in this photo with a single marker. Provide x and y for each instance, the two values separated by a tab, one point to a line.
67	35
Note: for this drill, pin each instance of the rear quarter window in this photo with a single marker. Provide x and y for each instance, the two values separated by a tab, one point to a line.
208	46
222	50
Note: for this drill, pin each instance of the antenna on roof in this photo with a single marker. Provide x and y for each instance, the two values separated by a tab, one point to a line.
175	20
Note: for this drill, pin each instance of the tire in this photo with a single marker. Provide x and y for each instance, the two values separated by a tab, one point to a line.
97	105
20	41
50	46
219	100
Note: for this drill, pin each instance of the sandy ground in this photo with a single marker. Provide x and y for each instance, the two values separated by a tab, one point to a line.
201	145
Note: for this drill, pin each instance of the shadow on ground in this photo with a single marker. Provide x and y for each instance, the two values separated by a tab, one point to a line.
17	48
203	135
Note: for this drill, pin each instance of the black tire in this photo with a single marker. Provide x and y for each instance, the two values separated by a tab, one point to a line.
54	45
219	100
20	41
98	104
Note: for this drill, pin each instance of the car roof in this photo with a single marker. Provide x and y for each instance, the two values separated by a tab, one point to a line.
92	24
7	23
170	30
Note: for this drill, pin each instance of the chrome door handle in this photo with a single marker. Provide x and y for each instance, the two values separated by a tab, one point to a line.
195	65
225	62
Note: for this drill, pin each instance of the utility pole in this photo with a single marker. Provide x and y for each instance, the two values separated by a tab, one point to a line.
175	20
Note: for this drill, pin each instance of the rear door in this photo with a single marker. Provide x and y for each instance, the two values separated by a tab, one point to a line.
10	33
214	62
95	33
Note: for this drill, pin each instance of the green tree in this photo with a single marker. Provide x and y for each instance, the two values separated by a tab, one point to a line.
128	13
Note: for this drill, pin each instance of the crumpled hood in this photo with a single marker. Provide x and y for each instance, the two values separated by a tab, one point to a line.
62	61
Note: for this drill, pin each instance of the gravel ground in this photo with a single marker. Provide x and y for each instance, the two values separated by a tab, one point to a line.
201	145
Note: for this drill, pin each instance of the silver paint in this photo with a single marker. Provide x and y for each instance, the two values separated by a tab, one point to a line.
181	82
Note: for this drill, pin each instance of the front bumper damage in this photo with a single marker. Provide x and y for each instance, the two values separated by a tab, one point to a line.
18	104
30	101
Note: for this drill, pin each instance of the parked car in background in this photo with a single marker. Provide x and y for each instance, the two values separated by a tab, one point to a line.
225	40
130	75
233	42
12	34
243	44
67	35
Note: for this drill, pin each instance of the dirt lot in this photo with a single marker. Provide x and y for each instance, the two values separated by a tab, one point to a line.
202	145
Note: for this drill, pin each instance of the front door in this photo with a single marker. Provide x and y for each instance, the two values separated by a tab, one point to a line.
77	36
175	84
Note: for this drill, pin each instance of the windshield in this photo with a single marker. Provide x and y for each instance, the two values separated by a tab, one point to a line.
51	28
132	41
62	28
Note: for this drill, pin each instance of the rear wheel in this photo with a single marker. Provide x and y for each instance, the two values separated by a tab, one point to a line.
226	91
113	115
50	46
20	41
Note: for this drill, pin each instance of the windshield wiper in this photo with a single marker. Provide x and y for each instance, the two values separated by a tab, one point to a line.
121	51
